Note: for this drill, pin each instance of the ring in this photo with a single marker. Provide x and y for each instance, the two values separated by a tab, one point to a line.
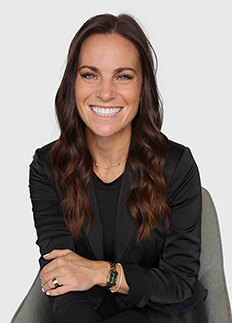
55	282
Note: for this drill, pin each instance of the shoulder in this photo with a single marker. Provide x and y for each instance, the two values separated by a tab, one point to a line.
175	149
43	153
183	187
42	157
179	161
175	152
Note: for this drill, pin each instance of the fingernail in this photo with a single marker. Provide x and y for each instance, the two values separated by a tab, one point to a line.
42	290
47	293
46	255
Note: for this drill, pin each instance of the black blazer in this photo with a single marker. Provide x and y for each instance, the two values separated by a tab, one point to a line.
162	270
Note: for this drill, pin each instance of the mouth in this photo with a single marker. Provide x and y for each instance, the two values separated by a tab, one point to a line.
105	112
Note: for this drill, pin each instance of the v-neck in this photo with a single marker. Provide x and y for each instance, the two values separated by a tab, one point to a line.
107	195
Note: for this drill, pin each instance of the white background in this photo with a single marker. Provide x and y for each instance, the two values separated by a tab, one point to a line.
193	43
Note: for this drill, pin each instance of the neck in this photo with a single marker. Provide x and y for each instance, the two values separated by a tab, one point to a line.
107	152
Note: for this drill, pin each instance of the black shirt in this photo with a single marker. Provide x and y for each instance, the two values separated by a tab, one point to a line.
107	199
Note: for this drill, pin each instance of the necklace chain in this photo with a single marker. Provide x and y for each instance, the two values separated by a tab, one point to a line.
107	167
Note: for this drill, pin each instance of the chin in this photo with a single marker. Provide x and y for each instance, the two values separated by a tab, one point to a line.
104	132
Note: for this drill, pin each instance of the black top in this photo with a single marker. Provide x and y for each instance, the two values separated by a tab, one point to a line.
107	200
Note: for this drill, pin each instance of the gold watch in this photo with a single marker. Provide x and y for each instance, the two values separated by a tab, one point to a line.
112	276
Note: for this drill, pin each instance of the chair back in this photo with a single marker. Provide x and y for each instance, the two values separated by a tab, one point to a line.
211	273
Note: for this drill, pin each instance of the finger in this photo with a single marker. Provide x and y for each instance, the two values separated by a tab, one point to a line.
59	291
58	266
56	253
46	270
47	281
53	255
52	283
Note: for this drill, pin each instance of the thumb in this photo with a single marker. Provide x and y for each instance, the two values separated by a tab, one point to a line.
56	253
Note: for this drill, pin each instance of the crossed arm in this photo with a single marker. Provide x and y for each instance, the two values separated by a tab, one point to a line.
75	273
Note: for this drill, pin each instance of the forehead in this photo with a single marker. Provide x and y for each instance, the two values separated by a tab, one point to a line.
108	48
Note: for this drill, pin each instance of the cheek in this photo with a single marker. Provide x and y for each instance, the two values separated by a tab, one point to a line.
135	107
136	92
82	94
80	97
135	111
134	101
78	94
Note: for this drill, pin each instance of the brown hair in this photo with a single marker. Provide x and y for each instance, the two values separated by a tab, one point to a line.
71	160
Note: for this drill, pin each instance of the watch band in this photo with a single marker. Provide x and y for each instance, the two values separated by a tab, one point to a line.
112	276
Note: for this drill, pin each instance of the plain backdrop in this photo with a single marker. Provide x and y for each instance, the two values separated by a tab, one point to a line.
192	40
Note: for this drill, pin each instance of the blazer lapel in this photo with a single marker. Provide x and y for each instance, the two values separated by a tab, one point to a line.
125	225
95	234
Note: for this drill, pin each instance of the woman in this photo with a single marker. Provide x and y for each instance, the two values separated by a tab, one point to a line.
117	206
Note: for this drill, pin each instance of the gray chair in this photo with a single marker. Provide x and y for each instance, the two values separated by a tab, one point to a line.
36	308
211	273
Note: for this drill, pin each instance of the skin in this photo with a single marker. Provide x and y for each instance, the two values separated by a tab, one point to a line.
109	76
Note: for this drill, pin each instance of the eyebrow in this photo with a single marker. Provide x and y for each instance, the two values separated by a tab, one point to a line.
118	70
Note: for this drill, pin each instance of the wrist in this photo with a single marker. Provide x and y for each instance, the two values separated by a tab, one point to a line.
101	277
101	273
117	286
112	276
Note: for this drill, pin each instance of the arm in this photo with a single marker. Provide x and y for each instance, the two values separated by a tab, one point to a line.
75	272
173	280
51	230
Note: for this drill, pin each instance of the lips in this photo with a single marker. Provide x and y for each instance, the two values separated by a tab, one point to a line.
105	112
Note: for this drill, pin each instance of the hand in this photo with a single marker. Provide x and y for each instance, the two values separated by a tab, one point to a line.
73	272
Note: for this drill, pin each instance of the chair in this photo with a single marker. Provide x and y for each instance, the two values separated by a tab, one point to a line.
36	308
211	273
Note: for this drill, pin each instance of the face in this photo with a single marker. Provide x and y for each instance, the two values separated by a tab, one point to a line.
108	84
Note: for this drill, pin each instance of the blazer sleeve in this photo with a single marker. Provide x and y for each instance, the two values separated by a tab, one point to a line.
173	280
51	230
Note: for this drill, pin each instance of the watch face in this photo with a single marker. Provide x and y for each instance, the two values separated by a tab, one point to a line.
113	278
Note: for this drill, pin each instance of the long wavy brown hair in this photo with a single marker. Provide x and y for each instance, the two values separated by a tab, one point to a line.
70	158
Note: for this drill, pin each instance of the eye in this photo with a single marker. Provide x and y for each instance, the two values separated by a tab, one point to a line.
125	77
89	76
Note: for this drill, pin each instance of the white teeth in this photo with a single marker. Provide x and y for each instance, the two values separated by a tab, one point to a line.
105	112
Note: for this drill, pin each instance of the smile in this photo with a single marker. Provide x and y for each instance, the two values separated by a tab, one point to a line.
105	112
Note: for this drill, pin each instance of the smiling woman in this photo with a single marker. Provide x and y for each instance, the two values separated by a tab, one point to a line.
107	90
117	206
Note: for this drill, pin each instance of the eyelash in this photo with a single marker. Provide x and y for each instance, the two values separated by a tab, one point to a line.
88	75
91	76
125	77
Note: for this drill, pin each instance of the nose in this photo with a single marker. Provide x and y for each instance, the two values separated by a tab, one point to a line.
106	90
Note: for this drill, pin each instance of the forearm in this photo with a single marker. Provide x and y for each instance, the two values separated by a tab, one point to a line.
76	273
